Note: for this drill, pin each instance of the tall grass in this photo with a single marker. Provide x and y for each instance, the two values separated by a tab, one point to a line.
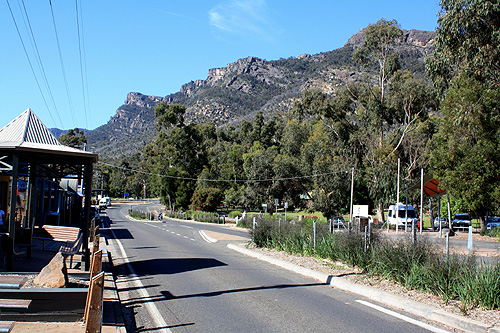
416	265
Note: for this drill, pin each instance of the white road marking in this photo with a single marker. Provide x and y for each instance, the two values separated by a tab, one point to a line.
148	302
206	237
402	317
172	232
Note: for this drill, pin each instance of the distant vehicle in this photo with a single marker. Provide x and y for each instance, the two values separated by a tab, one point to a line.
397	216
104	203
461	220
444	222
493	222
338	221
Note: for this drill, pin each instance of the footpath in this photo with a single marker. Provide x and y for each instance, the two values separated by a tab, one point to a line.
112	321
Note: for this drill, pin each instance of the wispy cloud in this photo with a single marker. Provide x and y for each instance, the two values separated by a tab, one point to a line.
243	17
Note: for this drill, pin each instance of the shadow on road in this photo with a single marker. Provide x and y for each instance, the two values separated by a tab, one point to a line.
168	295
172	265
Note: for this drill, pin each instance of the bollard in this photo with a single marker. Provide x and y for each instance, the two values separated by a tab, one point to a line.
366	231
236	219
469	241
254	224
369	233
447	246
314	233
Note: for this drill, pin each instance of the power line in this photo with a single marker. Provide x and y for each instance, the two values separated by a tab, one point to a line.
31	65
72	110
80	47
27	24
85	65
226	180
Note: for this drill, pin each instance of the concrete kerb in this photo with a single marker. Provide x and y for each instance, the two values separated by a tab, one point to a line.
381	296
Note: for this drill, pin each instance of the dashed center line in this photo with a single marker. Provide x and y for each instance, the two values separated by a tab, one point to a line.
172	232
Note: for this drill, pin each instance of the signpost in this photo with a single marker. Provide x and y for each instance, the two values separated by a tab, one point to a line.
265	208
276	203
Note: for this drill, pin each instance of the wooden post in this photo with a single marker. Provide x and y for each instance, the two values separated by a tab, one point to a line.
93	322
94	271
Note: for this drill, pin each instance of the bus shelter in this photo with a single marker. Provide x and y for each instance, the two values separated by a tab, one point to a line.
33	165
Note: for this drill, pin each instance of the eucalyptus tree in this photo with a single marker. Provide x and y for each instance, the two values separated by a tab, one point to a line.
74	138
178	153
466	67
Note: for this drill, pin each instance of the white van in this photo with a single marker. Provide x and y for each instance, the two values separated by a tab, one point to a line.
397	216
104	203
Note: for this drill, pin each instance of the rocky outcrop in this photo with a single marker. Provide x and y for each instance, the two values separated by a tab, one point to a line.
412	37
419	38
142	101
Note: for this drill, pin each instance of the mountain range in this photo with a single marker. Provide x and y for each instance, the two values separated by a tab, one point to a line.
247	86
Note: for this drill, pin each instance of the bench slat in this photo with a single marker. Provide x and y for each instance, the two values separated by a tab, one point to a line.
6	326
12	281
14	303
62	233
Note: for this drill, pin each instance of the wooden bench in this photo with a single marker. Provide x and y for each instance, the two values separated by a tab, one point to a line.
59	234
72	249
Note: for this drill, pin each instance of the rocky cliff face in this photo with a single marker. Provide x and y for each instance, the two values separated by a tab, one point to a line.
248	85
418	38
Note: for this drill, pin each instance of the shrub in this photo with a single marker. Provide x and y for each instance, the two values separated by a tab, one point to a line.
234	213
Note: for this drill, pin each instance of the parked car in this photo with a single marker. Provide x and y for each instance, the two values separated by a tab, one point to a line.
461	220
493	222
338	222
444	222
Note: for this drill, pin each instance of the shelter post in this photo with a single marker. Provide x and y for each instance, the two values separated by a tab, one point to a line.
12	214
87	183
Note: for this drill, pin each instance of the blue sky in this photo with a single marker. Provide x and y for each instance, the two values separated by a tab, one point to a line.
153	47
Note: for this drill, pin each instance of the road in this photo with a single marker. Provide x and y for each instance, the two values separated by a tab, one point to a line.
173	279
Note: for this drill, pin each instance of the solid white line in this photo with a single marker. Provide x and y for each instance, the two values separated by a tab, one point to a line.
148	302
402	317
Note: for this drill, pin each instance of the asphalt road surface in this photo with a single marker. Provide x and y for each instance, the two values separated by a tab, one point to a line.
171	278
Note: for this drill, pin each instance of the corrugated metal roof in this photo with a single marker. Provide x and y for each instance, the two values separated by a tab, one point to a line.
36	131
14	131
27	132
27	127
